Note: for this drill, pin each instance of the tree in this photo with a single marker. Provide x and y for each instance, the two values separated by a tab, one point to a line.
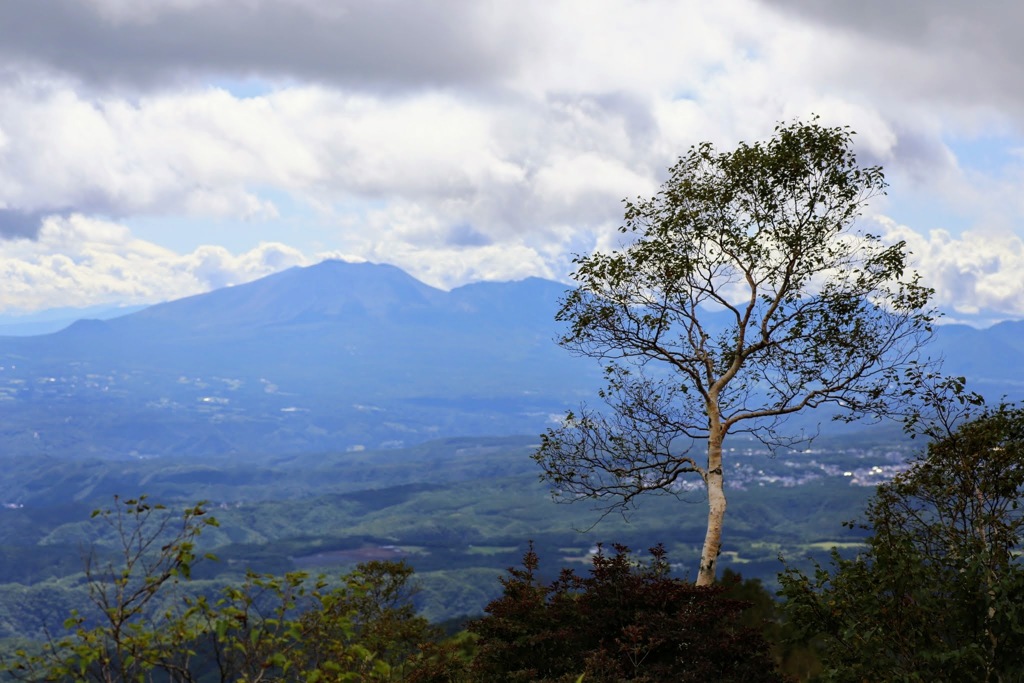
147	625
120	639
373	613
621	622
363	628
793	656
747	294
938	591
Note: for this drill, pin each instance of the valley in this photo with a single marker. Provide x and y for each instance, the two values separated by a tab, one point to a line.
460	511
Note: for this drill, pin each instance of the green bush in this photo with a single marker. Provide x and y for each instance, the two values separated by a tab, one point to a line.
623	621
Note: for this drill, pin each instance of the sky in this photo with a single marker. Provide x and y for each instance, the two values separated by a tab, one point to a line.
153	150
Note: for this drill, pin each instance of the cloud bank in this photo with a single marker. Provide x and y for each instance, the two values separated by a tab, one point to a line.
463	140
81	261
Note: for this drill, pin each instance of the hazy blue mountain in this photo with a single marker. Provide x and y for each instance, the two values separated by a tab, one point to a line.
332	357
55	319
991	359
330	291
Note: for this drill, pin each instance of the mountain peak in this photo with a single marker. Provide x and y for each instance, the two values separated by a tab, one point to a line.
327	289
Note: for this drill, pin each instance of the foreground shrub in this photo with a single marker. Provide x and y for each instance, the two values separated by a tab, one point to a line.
623	621
937	593
145	625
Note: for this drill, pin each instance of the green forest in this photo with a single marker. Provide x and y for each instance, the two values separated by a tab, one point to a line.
928	583
477	505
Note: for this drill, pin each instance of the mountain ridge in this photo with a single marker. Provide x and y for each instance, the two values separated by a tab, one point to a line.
334	356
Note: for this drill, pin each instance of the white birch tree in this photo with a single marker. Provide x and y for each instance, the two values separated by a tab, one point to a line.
746	291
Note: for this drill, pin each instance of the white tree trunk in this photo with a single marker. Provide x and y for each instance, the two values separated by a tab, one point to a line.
716	511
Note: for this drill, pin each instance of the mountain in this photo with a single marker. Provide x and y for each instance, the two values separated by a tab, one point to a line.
332	357
992	359
332	290
55	319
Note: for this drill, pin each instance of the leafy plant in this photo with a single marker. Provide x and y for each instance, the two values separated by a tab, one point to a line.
623	621
268	628
938	593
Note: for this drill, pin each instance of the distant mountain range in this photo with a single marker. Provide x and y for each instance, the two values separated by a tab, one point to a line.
332	357
56	319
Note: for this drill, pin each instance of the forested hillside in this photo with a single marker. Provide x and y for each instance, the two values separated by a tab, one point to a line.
458	511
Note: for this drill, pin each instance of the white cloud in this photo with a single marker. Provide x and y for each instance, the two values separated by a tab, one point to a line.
471	173
465	140
78	261
976	275
182	153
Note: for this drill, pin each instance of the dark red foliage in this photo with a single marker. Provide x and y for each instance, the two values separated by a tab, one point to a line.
622	622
